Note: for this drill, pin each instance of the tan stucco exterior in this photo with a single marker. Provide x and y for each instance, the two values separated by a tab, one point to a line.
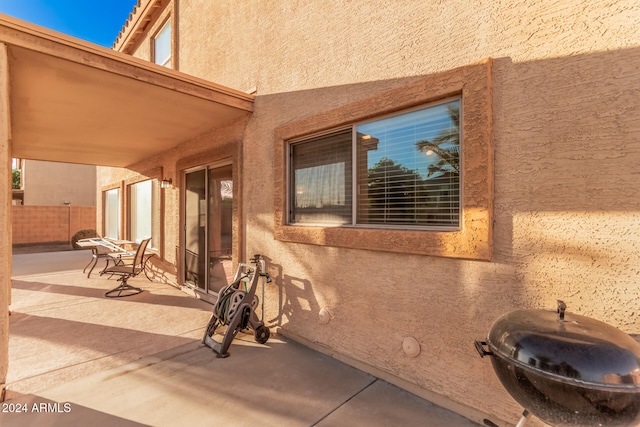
560	213
55	184
560	177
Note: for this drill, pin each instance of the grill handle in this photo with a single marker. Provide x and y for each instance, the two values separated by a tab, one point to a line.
480	347
561	309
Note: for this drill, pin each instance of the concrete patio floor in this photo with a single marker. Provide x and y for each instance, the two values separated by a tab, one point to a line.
77	358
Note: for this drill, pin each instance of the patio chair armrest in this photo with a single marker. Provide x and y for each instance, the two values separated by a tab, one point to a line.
121	257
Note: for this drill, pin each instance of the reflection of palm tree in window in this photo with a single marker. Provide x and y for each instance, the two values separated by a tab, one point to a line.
393	192
446	145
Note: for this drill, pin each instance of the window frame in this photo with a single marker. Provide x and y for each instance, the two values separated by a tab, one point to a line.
167	24
474	239
355	165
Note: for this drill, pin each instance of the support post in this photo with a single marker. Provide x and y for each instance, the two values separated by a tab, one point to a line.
5	215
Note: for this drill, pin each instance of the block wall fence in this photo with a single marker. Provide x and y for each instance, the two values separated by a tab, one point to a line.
50	224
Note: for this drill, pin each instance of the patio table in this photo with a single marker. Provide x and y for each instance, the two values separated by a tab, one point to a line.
108	249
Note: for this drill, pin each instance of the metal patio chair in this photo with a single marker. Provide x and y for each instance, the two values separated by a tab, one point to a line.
127	271
127	258
98	253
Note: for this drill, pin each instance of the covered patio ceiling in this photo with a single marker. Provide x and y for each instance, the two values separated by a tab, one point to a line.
72	101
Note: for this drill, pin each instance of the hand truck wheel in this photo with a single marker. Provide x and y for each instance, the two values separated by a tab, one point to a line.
262	334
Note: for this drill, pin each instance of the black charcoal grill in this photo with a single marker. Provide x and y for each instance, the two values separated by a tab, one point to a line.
566	369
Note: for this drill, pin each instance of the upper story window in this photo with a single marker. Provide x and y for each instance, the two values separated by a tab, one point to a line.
162	45
401	171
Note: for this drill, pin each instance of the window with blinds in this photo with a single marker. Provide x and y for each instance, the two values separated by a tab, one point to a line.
407	172
321	180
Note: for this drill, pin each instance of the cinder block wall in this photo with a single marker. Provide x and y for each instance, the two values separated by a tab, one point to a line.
50	224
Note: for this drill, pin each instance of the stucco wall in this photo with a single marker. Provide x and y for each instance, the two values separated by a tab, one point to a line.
566	148
56	184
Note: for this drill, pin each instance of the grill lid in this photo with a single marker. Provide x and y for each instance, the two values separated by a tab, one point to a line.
569	347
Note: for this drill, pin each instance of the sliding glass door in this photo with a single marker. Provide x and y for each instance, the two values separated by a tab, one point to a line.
208	216
195	228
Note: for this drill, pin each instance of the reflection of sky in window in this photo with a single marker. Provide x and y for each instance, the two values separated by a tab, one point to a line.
398	136
163	44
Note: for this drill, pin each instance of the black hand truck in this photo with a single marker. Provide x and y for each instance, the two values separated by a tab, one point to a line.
236	308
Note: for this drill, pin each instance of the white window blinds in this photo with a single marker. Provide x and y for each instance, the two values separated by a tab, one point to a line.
408	168
321	176
407	172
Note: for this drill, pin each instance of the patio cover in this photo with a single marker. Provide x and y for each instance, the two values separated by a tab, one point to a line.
76	102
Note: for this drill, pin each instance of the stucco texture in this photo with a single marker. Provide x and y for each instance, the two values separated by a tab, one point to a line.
45	184
566	145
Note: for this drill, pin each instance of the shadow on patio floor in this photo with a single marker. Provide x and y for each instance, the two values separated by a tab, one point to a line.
77	358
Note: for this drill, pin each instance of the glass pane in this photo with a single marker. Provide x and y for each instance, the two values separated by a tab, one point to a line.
220	227
195	227
321	180
409	168
142	196
162	45
112	213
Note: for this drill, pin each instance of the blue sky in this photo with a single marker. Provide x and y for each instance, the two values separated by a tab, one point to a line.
98	22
